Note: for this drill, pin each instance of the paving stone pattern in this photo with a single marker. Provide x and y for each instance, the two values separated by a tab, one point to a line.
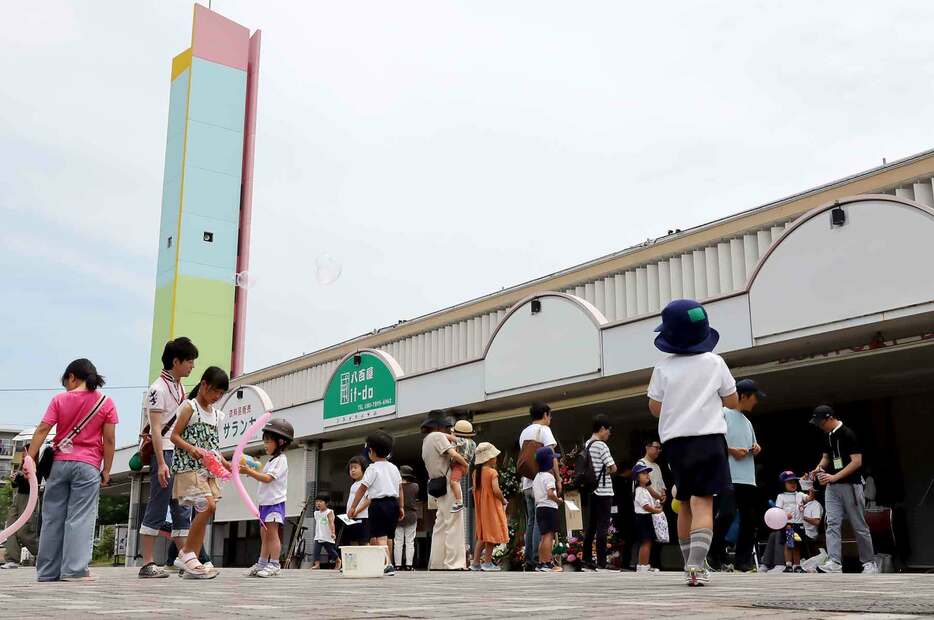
118	593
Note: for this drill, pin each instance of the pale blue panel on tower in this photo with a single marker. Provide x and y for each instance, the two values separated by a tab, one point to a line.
178	94
212	194
209	272
220	251
174	154
168	225
215	148
218	94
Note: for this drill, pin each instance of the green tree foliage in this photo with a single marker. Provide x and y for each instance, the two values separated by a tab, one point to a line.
6	501
113	510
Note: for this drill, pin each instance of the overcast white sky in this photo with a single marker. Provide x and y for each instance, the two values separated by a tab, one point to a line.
440	150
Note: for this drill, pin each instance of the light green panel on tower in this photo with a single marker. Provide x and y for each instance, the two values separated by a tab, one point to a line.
204	313
161	318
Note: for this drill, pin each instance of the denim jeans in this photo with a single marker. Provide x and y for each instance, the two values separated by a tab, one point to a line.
160	500
69	512
532	535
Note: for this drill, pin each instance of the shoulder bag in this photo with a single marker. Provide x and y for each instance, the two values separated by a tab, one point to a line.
525	465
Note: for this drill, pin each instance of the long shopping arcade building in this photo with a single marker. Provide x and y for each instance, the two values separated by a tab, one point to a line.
823	297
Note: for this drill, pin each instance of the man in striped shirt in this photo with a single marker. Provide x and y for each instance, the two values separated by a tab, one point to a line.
601	500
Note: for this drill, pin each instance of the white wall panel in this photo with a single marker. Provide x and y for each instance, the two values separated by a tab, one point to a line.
677	281
559	342
738	264
664	283
619	290
725	267
688	280
905	192
630	293
751	254
924	193
652	284
609	298
712	267
700	275
589	293
642	293
879	260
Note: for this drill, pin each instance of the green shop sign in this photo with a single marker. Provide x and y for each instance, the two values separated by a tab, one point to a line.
363	387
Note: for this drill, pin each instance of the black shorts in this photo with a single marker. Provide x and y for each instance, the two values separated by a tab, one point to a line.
546	518
358	532
699	465
383	516
645	527
796	528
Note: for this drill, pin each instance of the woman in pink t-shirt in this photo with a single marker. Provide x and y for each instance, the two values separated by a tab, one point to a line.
69	507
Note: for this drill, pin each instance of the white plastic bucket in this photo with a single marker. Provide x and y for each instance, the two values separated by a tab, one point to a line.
362	562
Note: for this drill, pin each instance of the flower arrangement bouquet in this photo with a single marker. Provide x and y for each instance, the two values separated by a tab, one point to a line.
509	482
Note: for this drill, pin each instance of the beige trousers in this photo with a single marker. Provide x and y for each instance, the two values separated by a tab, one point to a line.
447	538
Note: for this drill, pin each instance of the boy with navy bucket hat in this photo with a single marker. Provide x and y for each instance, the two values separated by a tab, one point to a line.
687	392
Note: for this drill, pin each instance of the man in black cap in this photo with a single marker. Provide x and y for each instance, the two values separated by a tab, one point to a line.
743	499
840	468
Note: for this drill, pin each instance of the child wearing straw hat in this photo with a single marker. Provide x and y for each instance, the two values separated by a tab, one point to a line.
490	508
465	446
687	392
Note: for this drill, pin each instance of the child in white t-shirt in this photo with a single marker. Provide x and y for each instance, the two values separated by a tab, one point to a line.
791	500
688	391
382	484
644	506
271	495
813	514
544	487
324	534
358	533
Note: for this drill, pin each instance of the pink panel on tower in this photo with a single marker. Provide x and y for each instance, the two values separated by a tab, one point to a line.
216	38
246	205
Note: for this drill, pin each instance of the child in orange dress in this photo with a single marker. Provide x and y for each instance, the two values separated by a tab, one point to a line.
490	508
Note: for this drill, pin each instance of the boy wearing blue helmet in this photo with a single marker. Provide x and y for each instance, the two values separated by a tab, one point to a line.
687	392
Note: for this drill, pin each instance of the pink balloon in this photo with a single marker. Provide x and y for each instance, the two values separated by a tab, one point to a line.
238	452
29	467
776	518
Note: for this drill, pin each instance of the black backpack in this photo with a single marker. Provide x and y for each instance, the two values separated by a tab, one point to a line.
585	478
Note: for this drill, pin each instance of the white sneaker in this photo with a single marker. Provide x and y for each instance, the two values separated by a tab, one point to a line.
270	570
642	568
870	568
695	577
253	570
830	567
9	565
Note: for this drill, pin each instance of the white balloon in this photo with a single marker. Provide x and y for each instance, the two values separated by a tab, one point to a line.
244	279
327	269
776	518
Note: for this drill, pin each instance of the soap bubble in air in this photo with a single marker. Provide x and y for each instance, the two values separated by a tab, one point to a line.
327	269
245	279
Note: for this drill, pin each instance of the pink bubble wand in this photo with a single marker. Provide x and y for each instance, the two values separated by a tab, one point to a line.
214	465
29	466
238	453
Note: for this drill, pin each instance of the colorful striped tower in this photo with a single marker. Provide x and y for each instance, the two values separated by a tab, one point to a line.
204	235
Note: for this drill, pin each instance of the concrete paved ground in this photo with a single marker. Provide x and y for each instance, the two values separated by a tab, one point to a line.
118	593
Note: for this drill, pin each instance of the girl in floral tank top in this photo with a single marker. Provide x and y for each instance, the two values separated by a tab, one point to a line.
196	429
